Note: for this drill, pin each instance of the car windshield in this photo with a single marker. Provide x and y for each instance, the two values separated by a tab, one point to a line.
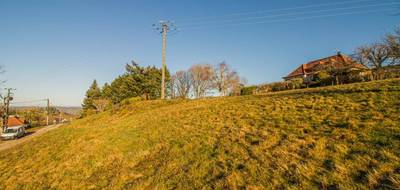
10	131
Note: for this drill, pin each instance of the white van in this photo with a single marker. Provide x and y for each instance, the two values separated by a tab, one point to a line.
13	132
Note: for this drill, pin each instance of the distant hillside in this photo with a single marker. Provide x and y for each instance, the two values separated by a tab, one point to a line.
341	137
68	110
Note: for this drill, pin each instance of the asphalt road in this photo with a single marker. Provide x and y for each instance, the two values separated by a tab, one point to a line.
11	143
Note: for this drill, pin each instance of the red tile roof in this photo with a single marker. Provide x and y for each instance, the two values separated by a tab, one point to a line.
337	61
15	121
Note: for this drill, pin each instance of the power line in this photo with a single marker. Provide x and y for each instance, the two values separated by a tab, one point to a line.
30	101
272	10
287	14
291	19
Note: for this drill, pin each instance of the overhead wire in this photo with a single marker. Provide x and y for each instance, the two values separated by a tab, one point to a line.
30	101
271	10
287	14
291	19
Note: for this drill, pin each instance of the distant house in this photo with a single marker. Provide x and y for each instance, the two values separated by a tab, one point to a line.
309	70
16	121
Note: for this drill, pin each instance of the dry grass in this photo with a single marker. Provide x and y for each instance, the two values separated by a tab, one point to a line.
345	137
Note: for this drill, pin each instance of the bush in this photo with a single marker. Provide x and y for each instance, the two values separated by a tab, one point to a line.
391	72
356	77
324	78
295	83
264	88
248	90
279	86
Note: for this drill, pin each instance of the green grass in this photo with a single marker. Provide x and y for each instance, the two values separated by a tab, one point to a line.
341	137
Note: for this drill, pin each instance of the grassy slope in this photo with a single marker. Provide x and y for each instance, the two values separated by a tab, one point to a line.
337	137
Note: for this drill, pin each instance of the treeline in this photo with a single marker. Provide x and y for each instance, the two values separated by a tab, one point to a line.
144	83
381	58
137	81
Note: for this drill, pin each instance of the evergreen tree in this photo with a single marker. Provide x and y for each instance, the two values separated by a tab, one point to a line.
106	91
137	81
92	94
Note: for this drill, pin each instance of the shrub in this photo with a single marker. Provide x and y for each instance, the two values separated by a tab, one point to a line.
324	78
248	90
391	72
355	77
296	83
264	88
279	86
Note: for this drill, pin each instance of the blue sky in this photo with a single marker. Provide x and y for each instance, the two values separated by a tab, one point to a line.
54	49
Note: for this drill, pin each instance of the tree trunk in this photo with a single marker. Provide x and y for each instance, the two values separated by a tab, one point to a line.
337	80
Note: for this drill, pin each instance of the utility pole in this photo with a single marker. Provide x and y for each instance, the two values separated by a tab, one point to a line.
164	27
6	108
164	46
48	111
60	117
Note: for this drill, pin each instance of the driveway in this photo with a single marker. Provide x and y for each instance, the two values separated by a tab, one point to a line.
11	143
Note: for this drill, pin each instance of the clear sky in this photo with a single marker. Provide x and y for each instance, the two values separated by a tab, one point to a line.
54	49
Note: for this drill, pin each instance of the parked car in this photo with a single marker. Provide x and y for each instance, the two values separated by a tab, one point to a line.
13	132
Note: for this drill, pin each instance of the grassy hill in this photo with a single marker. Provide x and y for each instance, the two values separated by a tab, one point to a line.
342	137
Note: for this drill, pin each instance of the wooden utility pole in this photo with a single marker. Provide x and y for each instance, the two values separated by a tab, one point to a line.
60	117
164	46
48	111
6	111
164	27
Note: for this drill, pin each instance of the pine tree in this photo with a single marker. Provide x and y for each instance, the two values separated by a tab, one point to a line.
92	94
106	91
137	81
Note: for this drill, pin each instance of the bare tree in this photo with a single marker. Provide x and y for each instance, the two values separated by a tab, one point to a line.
237	85
172	86
101	104
393	43
227	80
2	99
375	56
183	83
202	77
221	78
